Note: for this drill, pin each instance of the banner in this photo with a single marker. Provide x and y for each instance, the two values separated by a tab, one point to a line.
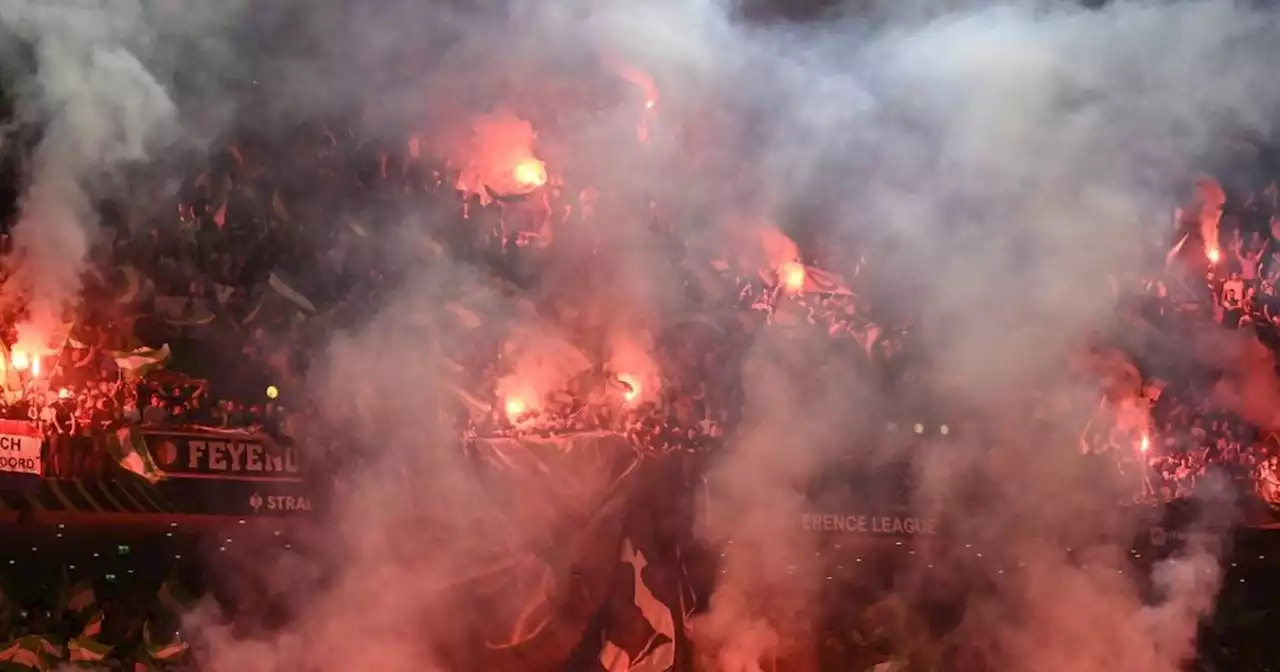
226	455
275	503
20	444
869	524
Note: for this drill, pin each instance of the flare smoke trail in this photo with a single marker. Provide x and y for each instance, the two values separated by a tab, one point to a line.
99	105
1000	160
1004	160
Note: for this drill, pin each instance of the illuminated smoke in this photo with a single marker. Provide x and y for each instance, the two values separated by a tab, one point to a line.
998	163
98	95
100	108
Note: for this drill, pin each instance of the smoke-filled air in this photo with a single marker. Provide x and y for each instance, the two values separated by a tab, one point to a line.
530	255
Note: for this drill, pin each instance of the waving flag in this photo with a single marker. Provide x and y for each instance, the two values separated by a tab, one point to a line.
93	627
818	281
162	649
641	636
80	600
183	311
174	598
277	207
86	652
140	361
280	285
131	453
32	652
12	378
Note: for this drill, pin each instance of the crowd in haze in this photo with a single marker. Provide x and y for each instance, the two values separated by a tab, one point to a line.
1199	288
260	260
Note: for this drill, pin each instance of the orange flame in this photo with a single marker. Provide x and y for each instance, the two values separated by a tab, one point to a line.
1210	198
644	82
64	393
641	79
779	250
500	155
792	275
35	366
515	407
632	385
530	173
1146	444
20	359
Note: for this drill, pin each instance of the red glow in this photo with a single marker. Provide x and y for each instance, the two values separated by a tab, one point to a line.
792	275
631	387
530	173
515	408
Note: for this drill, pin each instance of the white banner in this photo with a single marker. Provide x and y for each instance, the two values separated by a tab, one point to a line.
20	454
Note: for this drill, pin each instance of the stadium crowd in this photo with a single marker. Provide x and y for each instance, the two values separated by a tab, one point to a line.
259	261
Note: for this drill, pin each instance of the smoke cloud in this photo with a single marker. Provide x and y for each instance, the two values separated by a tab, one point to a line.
995	164
98	104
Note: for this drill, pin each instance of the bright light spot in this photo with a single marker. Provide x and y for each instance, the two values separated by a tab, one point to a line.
792	276
1214	255
650	104
631	387
530	173
35	366
272	392
919	428
1145	445
64	393
20	359
944	430
515	408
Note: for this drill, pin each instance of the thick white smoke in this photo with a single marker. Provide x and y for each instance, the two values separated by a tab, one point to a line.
1001	160
99	104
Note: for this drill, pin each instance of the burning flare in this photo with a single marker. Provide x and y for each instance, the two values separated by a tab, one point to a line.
500	157
631	387
782	257
23	360
530	173
515	407
1209	199
791	274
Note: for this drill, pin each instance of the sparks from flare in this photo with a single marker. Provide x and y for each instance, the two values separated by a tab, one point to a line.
1145	445
1214	255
